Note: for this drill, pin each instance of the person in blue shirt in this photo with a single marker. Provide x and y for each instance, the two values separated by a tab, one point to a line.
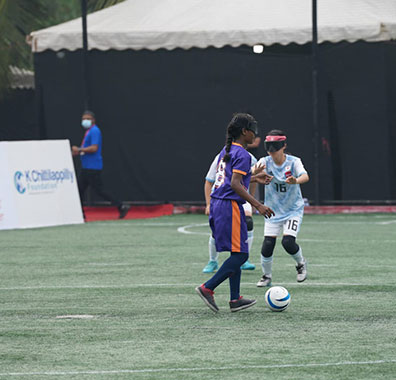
90	153
283	195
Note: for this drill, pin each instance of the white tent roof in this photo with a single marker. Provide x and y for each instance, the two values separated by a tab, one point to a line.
170	24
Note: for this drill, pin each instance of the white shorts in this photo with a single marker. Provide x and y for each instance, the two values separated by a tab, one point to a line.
248	208
290	227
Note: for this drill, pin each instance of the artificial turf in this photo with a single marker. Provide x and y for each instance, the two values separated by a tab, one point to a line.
132	284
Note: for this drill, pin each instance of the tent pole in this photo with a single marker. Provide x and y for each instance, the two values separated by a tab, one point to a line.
86	97
315	102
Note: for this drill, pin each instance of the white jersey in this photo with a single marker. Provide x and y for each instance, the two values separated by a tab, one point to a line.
211	175
284	199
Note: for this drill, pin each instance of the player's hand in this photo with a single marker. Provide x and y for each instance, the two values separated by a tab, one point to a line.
263	178
258	168
291	180
207	210
75	150
265	211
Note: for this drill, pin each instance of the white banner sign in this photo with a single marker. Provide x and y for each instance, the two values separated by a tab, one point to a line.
38	185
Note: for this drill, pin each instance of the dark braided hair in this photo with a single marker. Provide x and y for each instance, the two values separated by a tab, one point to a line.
234	130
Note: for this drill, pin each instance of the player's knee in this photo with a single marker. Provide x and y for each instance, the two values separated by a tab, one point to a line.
290	245
239	258
249	223
267	249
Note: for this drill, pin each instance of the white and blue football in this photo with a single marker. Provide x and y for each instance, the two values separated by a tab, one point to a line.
277	298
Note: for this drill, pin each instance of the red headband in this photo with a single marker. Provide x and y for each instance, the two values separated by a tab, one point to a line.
275	138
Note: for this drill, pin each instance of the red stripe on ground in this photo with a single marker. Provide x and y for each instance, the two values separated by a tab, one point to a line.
94	214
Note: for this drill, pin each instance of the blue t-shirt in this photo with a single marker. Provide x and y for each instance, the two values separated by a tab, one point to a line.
92	160
285	199
240	162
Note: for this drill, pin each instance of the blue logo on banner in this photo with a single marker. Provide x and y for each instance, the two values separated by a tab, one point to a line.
19	183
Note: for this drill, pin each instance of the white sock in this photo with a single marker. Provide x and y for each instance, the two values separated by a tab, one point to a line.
250	240
298	257
266	265
213	254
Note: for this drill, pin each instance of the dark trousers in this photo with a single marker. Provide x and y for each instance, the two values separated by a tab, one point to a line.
230	269
93	178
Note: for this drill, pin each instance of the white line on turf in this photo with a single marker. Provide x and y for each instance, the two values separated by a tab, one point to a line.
183	229
75	316
131	286
387	222
111	264
197	369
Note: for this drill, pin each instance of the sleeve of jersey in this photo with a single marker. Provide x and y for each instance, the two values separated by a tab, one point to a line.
254	160
241	165
261	161
211	175
299	168
95	137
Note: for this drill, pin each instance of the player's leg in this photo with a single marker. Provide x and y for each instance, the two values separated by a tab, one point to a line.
271	231
220	223
249	222
229	229
290	231
227	220
213	263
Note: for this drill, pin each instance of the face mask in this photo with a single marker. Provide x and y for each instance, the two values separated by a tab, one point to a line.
86	123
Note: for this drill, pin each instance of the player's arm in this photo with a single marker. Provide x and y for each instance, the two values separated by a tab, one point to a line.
252	192
301	175
259	175
207	190
303	178
255	144
252	188
236	185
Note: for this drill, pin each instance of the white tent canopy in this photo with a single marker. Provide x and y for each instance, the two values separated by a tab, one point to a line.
170	24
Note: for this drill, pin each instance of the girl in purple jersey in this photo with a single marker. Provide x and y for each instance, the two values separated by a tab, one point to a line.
227	218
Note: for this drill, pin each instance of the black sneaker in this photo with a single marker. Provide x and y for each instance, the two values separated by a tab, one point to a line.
207	297
241	303
123	209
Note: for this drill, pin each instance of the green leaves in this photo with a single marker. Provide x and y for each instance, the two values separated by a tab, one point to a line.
18	18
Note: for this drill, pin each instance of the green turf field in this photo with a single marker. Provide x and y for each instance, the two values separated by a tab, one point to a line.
134	281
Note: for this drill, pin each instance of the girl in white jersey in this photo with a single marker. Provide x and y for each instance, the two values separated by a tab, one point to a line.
283	195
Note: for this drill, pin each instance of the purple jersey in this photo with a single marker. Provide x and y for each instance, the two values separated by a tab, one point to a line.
240	162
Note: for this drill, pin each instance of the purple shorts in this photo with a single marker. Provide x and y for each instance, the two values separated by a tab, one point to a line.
228	224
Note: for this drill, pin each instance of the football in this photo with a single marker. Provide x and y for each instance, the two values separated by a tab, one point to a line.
277	298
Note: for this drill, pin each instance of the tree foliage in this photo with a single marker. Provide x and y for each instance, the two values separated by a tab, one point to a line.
18	18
